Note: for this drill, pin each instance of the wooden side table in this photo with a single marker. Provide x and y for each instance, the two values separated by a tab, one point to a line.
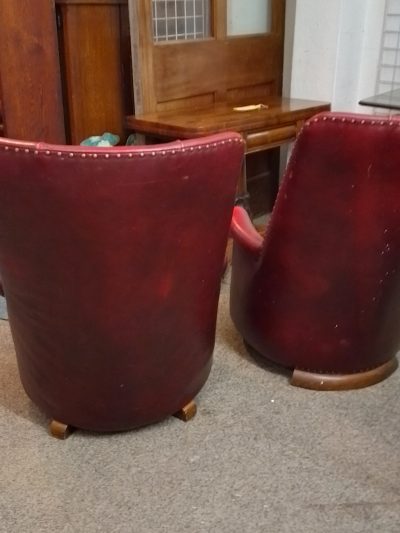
274	122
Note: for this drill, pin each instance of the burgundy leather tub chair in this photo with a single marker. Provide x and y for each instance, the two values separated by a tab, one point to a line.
320	294
110	261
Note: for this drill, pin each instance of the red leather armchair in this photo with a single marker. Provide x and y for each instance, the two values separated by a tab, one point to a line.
110	261
321	293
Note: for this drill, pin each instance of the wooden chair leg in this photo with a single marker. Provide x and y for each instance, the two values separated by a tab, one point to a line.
60	430
242	194
187	412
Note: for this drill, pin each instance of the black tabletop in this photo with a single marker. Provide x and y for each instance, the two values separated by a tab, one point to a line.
388	100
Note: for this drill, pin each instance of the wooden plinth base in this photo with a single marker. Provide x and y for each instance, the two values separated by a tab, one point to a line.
187	412
309	380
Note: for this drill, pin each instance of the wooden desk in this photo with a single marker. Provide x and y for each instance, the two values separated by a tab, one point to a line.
276	124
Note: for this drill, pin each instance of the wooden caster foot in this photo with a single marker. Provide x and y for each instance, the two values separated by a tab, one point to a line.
309	380
60	430
187	412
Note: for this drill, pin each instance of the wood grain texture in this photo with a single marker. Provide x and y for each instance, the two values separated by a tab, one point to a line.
30	80
142	55
359	380
236	63
222	117
93	75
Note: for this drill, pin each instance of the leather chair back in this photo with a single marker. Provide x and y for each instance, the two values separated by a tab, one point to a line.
321	294
110	260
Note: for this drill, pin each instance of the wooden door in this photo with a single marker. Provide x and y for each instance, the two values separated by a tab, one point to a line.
181	73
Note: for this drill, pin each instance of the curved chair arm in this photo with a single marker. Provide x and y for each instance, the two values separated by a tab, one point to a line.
243	231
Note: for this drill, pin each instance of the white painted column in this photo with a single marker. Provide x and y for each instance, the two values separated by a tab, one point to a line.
336	45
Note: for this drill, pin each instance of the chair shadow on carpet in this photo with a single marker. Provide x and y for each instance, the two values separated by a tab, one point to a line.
12	395
239	346
254	357
3	309
236	344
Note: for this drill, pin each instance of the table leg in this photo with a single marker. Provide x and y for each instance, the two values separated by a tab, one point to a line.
242	194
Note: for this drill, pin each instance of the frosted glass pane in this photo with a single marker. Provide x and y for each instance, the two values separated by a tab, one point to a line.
393	7
248	17
392	23
391	40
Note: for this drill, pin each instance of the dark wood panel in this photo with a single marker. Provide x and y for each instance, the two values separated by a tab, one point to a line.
95	80
92	89
126	60
262	180
30	74
185	69
254	60
188	69
251	92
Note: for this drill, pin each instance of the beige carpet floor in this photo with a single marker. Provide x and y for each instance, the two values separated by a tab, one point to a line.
260	456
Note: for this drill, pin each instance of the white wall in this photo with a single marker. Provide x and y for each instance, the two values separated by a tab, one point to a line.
336	47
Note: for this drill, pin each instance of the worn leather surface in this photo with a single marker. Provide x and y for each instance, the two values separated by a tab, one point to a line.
323	292
110	261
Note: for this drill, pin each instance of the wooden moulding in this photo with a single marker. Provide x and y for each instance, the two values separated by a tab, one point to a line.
309	380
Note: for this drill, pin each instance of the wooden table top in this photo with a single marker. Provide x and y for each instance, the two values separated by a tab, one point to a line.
221	117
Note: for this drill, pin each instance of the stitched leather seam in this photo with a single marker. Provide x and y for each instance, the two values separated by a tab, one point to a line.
340	372
120	155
